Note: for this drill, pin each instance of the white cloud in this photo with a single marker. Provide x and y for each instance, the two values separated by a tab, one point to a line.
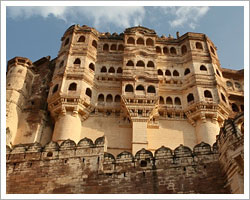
185	15
119	16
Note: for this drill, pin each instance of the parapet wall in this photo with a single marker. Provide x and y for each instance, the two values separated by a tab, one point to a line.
87	168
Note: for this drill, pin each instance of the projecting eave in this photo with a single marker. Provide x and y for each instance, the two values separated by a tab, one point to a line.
236	74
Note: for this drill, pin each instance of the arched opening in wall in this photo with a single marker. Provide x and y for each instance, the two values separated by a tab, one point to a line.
94	44
229	84
235	107
223	98
72	87
168	73
130	63
100	98
111	70
88	92
113	47
92	66
198	45
150	64
151	89
173	51
203	68
120	47
161	101
81	39
129	88
187	71
175	73
140	88
165	50
119	70
183	50
103	69
160	73
149	42
66	42
218	73
131	40
61	64
140	41
105	47
212	50
55	89
208	94
242	108
140	63
190	98
177	101
158	49
109	98
117	98
169	101
237	85
77	61
143	164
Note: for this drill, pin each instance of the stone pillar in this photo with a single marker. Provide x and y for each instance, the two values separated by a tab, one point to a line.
139	136
206	131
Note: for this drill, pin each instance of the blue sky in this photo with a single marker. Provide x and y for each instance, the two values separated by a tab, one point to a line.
35	32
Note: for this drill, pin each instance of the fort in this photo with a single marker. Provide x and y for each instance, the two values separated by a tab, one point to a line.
164	116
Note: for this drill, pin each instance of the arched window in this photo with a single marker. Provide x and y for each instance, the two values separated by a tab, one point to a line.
119	70
88	92
235	107
92	66
77	61
105	47
130	63
94	44
111	70
169	101
190	98
120	47
151	89
175	73
161	100
103	69
203	68
55	89
158	49
208	94
217	71
237	85
198	45
72	87
212	50
183	49
129	88
173	50
140	63
66	42
177	101
223	97
81	39
140	88
150	64
165	50
168	73
61	64
113	47
140	41
131	40
229	84
149	42
100	98
109	98
117	98
187	71
160	73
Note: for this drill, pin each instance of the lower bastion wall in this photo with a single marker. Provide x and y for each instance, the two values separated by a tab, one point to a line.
87	168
